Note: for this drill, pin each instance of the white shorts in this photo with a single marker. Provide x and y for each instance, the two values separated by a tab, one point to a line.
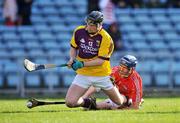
102	82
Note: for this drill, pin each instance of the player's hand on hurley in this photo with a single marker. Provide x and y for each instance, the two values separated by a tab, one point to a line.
70	62
77	64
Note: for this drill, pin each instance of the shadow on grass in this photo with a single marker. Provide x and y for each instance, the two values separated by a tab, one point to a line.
80	110
172	112
158	112
50	111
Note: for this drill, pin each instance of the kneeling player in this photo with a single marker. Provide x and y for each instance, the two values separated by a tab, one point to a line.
127	81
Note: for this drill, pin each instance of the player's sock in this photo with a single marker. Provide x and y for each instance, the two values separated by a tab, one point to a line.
87	103
90	103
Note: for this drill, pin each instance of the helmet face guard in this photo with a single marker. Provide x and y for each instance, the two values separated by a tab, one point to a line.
90	21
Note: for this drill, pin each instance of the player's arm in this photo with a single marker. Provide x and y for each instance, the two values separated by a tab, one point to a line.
94	62
141	92
73	50
129	98
141	87
79	64
105	51
134	95
114	79
73	53
106	48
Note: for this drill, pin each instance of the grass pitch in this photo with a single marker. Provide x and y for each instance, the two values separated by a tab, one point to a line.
154	110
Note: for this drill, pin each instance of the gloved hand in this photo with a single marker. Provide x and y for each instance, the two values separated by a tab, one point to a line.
77	64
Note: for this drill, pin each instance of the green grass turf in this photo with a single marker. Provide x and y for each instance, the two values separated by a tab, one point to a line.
154	110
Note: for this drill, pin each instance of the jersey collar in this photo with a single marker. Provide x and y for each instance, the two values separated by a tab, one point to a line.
91	35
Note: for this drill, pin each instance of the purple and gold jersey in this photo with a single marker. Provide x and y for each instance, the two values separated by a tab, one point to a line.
91	47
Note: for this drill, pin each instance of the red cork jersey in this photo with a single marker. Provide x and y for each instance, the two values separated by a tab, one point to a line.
130	86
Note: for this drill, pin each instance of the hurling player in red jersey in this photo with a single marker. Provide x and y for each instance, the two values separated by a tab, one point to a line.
128	82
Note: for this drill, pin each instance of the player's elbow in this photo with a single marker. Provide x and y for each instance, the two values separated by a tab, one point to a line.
100	61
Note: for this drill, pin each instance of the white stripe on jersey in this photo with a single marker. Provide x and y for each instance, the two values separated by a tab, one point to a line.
136	83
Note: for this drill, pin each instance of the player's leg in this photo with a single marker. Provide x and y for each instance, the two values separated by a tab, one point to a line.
107	104
91	90
115	96
78	88
73	96
109	89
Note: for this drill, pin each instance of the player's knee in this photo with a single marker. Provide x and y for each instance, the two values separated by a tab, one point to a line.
120	101
70	104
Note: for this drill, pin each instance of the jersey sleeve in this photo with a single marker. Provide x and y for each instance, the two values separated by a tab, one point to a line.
73	39
132	92
137	92
106	47
141	87
73	42
113	70
113	75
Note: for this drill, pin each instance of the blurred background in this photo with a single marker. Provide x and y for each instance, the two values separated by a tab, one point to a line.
40	30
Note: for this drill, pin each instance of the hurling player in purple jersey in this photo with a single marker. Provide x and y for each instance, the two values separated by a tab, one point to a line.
91	48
